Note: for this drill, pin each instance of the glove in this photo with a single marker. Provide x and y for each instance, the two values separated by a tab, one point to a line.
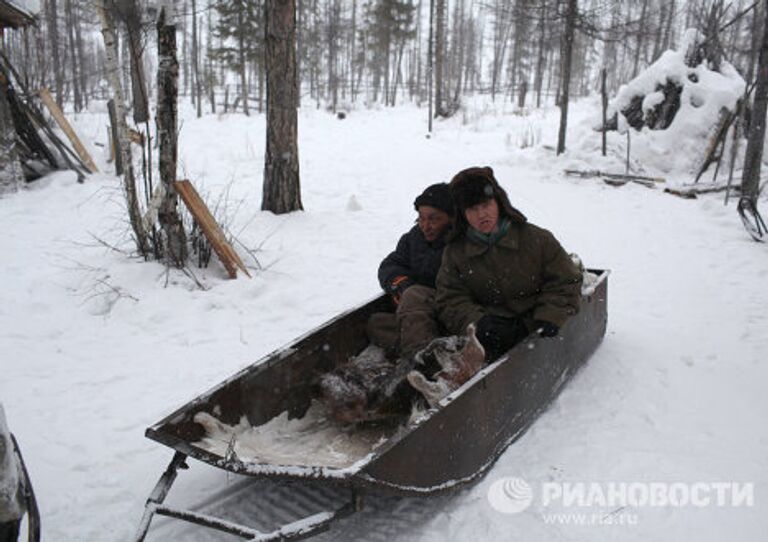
498	334
546	329
398	285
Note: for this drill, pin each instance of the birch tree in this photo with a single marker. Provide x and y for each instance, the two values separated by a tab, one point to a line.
570	28
174	242
124	143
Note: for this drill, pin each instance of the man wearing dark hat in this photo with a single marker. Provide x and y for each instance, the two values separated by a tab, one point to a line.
408	274
500	272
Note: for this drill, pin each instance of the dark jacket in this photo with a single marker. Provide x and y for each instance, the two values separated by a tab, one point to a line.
414	258
525	274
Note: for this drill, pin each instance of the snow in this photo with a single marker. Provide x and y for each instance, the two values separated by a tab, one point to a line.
30	7
96	345
705	93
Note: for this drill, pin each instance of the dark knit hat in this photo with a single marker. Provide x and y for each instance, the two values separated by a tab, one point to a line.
437	196
475	185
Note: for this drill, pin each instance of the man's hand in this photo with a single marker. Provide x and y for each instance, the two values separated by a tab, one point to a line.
398	285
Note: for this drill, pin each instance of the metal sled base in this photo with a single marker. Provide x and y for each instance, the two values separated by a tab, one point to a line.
295	530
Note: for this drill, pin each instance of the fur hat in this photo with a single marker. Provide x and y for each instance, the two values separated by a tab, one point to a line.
475	185
437	196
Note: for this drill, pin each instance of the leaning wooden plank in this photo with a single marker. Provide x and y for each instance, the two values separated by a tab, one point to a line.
210	228
598	173
718	133
61	120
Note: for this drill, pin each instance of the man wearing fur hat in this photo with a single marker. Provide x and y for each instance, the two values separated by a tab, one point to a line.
499	271
408	274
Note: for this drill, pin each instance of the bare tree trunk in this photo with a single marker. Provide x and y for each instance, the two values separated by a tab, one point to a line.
282	192
184	55
640	38
659	37
570	23
42	59
131	16
196	62
174	241
397	72
539	80
666	43
754	48
83	75
353	41
72	56
241	37
385	65
53	30
27	62
439	56
300	45
124	143
750	180
211	75
334	15
430	62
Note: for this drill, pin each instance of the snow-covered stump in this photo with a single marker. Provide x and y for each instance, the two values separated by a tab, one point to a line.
11	174
678	104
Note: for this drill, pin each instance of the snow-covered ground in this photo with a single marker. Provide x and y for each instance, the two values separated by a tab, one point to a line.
96	346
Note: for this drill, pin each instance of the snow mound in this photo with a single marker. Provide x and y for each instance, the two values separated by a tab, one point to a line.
679	147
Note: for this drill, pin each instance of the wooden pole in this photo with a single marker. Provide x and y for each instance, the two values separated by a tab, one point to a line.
115	139
604	93
629	143
61	120
429	63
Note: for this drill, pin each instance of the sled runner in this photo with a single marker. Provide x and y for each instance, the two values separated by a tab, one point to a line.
264	421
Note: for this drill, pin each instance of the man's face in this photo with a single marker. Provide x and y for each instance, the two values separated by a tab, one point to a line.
483	216
433	222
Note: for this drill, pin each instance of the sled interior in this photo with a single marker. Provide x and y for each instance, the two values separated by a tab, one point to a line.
480	412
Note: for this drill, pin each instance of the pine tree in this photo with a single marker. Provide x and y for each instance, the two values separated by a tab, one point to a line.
240	29
390	24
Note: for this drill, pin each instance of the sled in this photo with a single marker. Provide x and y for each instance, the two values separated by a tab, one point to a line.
473	425
28	493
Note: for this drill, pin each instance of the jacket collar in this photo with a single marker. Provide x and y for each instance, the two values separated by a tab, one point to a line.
510	241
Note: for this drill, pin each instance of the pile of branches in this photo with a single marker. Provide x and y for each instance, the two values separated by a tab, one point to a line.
40	149
708	49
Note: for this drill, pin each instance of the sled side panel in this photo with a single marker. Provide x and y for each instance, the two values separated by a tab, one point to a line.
463	439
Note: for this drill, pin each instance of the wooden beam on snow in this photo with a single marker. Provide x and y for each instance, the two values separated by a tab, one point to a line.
621	176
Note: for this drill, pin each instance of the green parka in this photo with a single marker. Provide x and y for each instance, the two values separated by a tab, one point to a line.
525	274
